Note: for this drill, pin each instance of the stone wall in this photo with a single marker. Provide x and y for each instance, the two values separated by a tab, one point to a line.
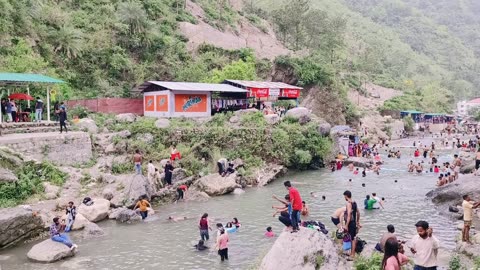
61	149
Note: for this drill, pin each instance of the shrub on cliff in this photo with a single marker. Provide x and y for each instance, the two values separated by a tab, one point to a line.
372	263
30	178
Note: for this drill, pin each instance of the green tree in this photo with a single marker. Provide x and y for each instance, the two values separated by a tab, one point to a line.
237	70
67	40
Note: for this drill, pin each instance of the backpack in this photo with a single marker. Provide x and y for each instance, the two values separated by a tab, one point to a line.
360	245
87	201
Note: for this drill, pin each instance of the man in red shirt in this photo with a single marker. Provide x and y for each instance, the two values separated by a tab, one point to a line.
296	202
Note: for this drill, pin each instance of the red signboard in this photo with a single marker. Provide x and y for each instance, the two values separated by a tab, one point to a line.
258	92
290	93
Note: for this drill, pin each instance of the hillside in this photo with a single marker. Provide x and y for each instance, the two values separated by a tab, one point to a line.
104	48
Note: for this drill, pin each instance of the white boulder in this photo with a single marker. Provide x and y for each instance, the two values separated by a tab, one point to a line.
7	176
80	222
162	123
272	119
215	184
87	124
49	251
126	117
97	211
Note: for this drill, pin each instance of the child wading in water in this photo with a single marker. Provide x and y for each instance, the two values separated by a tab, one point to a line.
269	232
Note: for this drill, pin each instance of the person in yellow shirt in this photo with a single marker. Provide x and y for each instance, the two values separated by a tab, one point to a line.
143	204
468	206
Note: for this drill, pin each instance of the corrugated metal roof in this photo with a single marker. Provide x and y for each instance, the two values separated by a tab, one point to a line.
476	100
26	78
188	86
255	84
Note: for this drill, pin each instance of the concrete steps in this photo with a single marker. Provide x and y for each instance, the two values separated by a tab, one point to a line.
29	127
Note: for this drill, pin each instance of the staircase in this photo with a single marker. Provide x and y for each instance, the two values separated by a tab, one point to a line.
29	127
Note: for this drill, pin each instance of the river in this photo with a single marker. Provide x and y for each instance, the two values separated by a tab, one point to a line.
160	244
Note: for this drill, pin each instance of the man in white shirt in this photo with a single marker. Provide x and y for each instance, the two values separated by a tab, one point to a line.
378	202
151	174
468	206
424	247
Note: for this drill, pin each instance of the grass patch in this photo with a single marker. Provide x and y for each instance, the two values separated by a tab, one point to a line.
30	178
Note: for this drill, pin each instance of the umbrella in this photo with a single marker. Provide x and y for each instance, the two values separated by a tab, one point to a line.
20	96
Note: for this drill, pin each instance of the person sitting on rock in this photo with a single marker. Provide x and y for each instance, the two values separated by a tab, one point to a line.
143	204
222	164
56	234
230	169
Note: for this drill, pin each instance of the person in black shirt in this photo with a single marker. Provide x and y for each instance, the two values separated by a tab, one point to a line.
63	117
168	173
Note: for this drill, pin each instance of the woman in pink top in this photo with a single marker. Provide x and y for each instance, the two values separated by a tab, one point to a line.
392	260
269	232
222	244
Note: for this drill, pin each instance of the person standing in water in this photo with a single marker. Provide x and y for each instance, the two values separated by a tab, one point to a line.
352	223
222	245
204	226
457	163
296	202
305	210
143	204
378	203
424	247
137	161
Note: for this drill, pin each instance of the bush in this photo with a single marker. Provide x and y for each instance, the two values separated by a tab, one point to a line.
408	123
301	159
79	111
254	120
30	179
122	168
372	263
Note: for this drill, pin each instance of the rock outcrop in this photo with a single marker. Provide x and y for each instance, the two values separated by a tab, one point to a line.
452	193
51	191
128	216
215	184
80	222
88	125
300	113
18	224
126	117
7	176
272	119
98	211
49	251
269	173
359	162
468	162
305	250
92	230
162	123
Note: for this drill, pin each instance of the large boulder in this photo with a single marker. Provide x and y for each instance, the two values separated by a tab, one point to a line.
272	119
138	185
97	211
80	222
162	123
468	166
17	225
128	216
269	173
242	112
7	176
49	251
359	162
298	113
146	138
215	184
126	117
178	174
108	193
452	193
114	212
305	250
51	191
88	125
324	129
92	230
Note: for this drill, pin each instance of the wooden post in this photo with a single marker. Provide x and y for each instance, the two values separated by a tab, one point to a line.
48	103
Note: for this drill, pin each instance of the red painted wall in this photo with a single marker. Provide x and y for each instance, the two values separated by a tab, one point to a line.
110	105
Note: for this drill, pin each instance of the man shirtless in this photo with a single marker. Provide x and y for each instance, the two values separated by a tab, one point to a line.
137	160
419	168
337	217
477	161
457	163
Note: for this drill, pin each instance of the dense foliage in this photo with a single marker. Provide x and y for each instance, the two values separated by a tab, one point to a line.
31	177
255	142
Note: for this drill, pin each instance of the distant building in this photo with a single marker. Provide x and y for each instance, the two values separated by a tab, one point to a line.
463	107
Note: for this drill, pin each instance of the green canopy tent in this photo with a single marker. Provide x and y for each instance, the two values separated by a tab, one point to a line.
25	79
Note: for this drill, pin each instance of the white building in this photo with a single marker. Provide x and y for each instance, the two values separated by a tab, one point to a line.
463	107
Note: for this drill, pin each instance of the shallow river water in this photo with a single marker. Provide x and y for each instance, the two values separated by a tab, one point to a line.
159	244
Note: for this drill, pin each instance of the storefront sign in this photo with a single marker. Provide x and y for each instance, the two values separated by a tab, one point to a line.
162	103
149	103
190	103
290	93
258	92
274	92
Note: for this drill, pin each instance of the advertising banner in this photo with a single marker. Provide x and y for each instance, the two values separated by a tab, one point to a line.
149	103
162	103
190	103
